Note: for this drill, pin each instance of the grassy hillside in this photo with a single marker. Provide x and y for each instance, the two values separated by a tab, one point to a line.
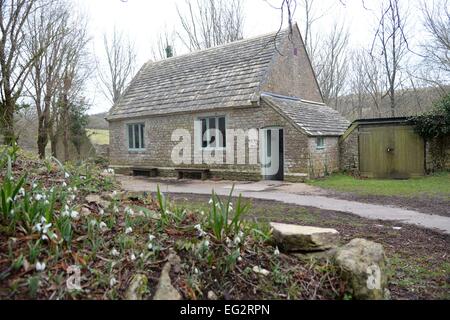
97	121
98	136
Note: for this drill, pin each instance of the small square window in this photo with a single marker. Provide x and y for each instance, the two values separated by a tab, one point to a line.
213	132
136	136
320	143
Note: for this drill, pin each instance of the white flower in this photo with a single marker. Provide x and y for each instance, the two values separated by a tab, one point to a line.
229	242
101	212
150	246
201	233
129	211
74	214
64	184
239	259
210	201
128	230
93	223
132	257
40	266
22	192
151	237
114	252
230	207
75	189
70	189
66	175
195	270
44	237
46	202
34	186
46	227
112	282
103	226
276	252
237	240
72	197
38	197
116	209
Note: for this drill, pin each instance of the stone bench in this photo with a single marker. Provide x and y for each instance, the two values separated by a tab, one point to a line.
203	172
144	171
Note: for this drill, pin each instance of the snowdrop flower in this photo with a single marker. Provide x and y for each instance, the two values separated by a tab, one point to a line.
44	237
12	212
72	197
40	266
132	257
46	202
201	233
195	270
34	186
93	223
103	226
101	212
229	242
230	207
129	211
239	259
64	184
210	201
150	246
66	175
151	237
112	282
82	177
74	214
114	252
70	189
128	230
22	192
276	252
116	209
38	197
141	255
237	240
114	193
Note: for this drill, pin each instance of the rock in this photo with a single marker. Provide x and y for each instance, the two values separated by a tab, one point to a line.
165	289
212	296
291	237
261	271
363	265
93	198
110	196
137	287
85	212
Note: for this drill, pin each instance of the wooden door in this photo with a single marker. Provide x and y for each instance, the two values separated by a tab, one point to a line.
390	151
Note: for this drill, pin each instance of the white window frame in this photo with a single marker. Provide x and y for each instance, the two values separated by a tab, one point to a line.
142	144
207	118
320	145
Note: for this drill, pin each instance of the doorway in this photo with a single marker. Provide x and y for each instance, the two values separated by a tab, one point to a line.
272	153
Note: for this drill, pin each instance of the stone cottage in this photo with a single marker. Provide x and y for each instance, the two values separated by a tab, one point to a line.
248	110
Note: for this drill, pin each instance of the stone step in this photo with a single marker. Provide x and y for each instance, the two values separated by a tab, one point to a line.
292	238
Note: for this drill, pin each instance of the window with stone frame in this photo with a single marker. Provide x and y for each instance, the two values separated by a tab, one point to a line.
136	138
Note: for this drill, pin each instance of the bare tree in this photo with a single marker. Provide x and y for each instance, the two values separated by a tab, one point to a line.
14	65
121	63
164	47
436	48
331	63
209	23
48	27
391	46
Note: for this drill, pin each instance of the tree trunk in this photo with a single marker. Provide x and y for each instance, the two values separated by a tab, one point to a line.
7	122
42	136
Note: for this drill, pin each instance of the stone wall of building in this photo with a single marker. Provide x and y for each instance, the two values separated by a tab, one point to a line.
291	73
159	145
323	161
349	152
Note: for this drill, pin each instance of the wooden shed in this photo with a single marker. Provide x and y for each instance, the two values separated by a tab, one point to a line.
383	148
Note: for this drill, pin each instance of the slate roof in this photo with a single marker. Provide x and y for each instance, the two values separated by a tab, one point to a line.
316	119
220	77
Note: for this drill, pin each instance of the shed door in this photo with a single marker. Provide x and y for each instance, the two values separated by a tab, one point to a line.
391	151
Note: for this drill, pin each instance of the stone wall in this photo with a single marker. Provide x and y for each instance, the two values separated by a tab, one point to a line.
438	154
349	152
291	73
323	161
159	146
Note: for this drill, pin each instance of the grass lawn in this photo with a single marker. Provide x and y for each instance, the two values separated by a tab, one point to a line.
98	136
435	185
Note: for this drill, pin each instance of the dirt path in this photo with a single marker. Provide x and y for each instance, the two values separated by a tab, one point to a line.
291	193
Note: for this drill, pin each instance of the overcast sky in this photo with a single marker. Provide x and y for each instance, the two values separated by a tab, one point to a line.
143	20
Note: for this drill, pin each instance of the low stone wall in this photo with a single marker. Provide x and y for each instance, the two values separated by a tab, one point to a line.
438	154
349	152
